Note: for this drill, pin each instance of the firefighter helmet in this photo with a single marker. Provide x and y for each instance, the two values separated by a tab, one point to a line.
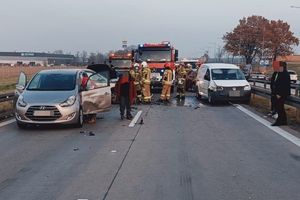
144	64
167	65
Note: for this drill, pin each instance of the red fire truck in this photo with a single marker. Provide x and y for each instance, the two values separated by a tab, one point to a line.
121	61
156	55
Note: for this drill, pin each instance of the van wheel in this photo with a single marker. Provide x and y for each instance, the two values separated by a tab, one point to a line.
210	99
79	123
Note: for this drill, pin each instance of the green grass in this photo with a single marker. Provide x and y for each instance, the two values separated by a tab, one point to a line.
7	87
6	106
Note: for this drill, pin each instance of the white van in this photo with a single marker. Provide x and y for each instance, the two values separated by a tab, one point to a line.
222	82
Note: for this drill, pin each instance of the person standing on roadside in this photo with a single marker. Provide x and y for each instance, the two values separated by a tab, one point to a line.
137	78
167	83
123	91
146	80
273	96
181	82
282	89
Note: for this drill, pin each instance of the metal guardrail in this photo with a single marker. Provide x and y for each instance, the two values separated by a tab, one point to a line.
293	100
5	98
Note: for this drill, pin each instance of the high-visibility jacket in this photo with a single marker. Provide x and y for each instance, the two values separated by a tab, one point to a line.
167	77
132	92
146	76
181	73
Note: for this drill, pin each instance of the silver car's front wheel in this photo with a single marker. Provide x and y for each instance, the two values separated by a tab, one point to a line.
79	123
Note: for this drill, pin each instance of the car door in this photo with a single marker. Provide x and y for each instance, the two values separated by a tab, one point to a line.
96	97
20	87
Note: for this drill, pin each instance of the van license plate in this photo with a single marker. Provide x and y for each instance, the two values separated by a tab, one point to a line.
235	93
42	113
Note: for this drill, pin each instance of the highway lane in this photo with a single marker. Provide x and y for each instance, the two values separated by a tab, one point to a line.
211	152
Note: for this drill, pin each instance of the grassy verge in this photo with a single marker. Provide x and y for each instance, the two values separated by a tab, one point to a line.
262	105
6	106
5	88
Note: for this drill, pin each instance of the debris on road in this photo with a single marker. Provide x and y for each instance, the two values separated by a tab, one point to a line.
91	133
142	121
76	149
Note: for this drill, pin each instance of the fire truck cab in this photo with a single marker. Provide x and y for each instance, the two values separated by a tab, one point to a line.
121	62
157	55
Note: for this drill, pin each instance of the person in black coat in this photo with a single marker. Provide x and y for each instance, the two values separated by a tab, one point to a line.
273	96
282	89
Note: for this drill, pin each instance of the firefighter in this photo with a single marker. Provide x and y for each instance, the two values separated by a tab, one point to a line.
132	78
137	77
167	83
181	79
146	82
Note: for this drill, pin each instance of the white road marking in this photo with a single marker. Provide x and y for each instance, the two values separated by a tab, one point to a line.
7	122
135	119
276	129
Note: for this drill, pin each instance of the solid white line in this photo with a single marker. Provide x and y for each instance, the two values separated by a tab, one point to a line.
7	122
276	129
135	119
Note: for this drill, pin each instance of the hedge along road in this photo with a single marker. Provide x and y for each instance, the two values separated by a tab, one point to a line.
185	150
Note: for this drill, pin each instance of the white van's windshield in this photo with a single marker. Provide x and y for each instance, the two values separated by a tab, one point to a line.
227	74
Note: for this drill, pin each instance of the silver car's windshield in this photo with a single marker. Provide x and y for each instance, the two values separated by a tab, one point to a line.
53	82
227	74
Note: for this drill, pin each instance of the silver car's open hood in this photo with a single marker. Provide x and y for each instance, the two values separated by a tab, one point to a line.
46	97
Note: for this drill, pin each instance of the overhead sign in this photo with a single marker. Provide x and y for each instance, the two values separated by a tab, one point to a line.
124	44
27	54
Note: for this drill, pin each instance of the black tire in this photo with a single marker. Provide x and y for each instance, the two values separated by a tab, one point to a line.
79	123
21	125
198	96
210	99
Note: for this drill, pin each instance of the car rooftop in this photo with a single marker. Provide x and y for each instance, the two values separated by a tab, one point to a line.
221	65
60	71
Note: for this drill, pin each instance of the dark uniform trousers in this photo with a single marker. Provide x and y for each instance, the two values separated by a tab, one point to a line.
281	111
125	104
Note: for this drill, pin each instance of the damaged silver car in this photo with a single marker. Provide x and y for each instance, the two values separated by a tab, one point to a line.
62	96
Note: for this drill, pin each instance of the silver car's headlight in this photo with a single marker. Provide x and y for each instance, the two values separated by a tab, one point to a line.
21	102
69	102
247	88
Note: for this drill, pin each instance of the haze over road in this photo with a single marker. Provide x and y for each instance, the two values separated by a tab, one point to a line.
73	25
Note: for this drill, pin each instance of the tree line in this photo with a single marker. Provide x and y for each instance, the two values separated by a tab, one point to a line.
258	37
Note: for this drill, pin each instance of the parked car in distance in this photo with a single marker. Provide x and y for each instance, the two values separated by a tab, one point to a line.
293	76
61	97
222	82
258	76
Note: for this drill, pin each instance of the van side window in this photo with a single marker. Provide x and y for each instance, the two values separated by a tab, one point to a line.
207	75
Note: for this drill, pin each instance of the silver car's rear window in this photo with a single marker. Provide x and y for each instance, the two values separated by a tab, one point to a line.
53	82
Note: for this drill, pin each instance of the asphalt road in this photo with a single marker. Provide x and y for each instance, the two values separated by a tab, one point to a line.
184	150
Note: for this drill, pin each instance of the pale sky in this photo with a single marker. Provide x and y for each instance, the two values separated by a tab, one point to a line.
193	26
